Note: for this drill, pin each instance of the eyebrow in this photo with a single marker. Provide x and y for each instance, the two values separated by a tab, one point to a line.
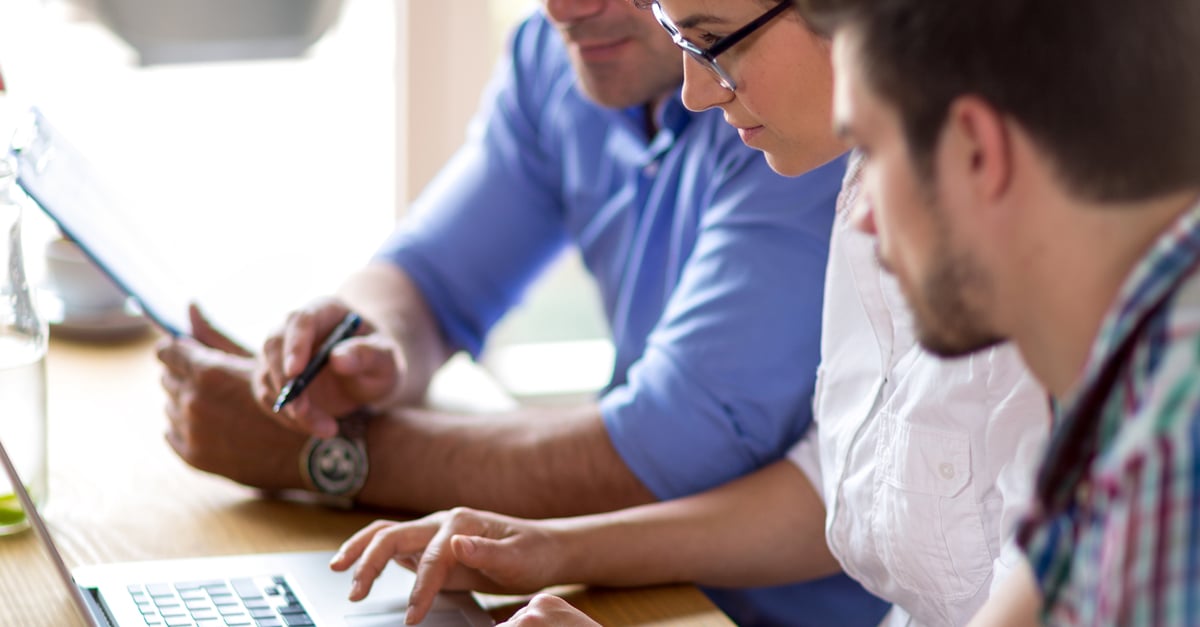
693	21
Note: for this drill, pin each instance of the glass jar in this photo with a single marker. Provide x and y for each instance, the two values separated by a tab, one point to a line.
23	344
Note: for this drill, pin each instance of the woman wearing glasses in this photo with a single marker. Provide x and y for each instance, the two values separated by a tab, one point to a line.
915	473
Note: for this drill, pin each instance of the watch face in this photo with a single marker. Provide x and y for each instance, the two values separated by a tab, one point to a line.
337	465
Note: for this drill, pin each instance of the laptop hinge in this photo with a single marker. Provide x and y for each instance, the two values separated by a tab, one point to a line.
97	607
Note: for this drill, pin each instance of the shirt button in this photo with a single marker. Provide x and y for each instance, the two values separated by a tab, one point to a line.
946	470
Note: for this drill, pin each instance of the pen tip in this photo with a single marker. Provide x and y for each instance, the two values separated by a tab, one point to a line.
285	396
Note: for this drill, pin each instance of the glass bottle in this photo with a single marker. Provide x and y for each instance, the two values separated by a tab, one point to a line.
23	344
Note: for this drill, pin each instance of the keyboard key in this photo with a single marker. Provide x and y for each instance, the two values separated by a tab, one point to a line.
220	600
160	590
192	595
198	604
246	588
292	620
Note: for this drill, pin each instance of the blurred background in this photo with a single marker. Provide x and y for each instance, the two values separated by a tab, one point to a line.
262	135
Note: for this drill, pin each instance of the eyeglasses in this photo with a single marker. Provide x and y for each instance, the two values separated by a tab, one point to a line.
708	57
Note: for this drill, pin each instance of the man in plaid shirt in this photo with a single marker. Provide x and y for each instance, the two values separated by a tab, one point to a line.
1033	173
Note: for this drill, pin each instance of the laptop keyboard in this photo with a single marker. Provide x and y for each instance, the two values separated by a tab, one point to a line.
241	602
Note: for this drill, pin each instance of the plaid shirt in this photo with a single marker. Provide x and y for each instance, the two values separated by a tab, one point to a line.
1115	535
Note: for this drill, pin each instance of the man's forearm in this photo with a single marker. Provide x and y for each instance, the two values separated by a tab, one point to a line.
763	529
535	463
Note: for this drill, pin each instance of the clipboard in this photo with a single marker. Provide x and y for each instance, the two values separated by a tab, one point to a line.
67	188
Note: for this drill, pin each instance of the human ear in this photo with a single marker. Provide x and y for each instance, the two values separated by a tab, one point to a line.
977	148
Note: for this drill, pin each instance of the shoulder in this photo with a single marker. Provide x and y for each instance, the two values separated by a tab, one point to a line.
1171	355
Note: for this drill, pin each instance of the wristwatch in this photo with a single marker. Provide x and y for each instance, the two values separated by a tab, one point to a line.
337	466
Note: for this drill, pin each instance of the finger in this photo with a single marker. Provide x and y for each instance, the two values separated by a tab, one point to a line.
271	363
353	547
522	614
299	335
210	336
363	354
171	384
306	416
489	557
173	356
368	368
432	572
318	422
265	395
264	390
397	539
176	443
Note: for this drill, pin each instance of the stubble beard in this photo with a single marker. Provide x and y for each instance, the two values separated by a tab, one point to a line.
948	324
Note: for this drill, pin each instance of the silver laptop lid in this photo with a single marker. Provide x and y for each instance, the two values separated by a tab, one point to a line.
43	533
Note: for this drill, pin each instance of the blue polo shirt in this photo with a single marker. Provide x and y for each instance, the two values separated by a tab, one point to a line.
710	268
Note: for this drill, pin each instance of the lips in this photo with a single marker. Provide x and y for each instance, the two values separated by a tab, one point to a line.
600	50
748	134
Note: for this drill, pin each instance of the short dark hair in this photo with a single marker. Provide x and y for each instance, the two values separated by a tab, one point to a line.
1109	89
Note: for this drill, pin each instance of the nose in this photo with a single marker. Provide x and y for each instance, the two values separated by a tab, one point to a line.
569	11
701	88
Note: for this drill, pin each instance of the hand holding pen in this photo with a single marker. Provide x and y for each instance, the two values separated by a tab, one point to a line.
323	363
296	384
310	370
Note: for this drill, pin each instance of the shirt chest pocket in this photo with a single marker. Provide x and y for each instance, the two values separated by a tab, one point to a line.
927	524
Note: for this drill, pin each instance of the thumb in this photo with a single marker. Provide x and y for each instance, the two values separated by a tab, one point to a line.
482	554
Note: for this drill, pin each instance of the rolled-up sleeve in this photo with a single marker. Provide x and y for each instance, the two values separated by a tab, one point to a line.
491	220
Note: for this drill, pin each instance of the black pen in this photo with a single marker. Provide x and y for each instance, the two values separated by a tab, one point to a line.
343	330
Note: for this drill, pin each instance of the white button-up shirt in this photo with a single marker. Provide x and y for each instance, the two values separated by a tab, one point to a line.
925	464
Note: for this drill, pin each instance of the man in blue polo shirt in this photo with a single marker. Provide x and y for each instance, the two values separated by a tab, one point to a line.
710	269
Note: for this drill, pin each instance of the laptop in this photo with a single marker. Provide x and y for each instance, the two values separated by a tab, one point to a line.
260	590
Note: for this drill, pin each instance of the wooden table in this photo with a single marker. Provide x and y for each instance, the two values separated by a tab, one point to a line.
119	493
